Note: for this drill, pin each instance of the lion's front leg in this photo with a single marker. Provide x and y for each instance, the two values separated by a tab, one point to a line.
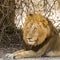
53	53
24	54
21	54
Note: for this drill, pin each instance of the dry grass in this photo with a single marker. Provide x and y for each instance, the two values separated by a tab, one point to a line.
10	36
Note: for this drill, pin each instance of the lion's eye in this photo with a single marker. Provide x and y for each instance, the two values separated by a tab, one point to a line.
34	29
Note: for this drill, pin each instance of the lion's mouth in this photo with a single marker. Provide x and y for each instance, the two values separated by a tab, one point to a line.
31	42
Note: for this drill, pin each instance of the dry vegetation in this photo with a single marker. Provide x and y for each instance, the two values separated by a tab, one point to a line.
10	36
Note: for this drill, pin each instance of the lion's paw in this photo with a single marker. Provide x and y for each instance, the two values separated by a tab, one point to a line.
9	57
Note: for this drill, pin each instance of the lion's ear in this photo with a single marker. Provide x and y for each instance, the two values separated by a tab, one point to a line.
45	22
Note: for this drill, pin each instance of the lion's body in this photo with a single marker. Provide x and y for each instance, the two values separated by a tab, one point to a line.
40	36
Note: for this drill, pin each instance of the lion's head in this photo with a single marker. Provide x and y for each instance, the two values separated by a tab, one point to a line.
35	29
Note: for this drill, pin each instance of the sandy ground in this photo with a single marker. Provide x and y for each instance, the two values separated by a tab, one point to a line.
45	58
4	51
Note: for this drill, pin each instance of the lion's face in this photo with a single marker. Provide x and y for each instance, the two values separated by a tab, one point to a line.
35	33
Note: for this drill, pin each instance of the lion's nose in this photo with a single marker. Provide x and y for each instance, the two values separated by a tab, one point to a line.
29	38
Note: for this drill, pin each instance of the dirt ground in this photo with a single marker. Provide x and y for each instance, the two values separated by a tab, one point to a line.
44	58
4	51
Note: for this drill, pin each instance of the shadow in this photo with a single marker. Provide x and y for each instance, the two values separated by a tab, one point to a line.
11	38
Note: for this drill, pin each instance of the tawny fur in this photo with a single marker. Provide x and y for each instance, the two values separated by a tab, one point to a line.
38	31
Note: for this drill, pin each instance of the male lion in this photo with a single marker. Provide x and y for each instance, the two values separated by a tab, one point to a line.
40	36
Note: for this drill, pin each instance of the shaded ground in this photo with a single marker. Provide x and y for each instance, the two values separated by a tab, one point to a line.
4	51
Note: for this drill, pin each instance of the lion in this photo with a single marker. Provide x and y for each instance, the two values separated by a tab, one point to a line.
40	36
